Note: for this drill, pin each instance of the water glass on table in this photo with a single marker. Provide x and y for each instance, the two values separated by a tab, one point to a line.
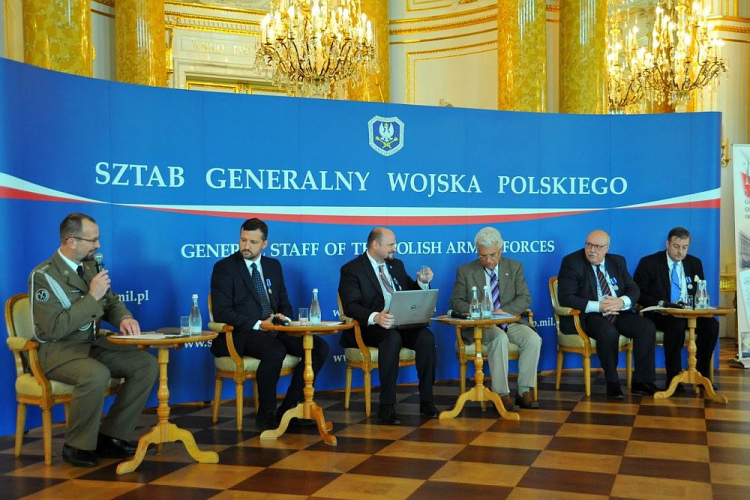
304	316
184	325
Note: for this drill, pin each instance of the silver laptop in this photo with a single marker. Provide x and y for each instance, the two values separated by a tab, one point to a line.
413	308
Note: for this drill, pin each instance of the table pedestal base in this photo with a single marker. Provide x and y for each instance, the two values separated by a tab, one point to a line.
314	412
481	394
168	433
692	377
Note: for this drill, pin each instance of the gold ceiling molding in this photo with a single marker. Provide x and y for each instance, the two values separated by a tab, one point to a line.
410	8
731	19
201	17
213	7
450	37
411	55
441	27
454	15
733	29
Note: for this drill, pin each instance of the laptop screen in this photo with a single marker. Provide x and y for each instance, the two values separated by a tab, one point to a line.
413	307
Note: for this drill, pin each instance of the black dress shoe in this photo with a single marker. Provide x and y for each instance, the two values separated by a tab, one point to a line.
614	391
526	400
265	419
427	408
387	415
79	458
111	447
643	389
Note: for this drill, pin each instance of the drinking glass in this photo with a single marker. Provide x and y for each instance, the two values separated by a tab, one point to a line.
184	325
304	316
689	302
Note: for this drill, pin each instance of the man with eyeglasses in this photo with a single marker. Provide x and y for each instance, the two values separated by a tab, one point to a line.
670	277
69	300
510	294
599	285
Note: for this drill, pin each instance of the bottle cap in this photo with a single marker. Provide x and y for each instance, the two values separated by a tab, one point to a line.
195	295
315	290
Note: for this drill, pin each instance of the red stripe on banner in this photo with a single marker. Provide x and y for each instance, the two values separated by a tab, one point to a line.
17	194
394	220
715	203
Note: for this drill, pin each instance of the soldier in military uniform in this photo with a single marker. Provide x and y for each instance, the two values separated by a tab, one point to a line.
70	298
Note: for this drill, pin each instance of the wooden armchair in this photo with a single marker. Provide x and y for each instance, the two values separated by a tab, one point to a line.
465	352
365	358
32	385
581	343
238	368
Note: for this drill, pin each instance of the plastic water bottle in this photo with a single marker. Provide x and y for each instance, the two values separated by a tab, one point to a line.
701	295
486	304
315	309
196	322
475	311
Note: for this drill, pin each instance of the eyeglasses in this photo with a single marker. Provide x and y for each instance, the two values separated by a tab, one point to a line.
492	256
93	242
596	248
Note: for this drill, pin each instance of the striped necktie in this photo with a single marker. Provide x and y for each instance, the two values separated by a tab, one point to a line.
495	290
605	289
676	289
384	279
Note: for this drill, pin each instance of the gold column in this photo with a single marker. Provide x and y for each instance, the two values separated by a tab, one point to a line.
582	56
522	55
378	85
57	35
141	48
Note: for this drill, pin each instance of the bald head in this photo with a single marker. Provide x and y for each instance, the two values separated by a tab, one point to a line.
381	244
597	244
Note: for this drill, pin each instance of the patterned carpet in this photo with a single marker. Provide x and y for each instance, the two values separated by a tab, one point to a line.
572	447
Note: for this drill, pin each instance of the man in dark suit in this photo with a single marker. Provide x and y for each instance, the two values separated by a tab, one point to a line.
70	297
365	289
671	276
247	292
600	286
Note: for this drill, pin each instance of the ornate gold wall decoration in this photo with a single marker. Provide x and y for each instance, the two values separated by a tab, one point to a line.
57	35
522	55
141	42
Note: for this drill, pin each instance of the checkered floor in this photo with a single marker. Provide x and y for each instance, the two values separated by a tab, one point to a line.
572	447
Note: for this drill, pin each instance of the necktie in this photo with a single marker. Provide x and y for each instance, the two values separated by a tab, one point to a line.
262	294
495	290
676	291
605	289
384	279
80	272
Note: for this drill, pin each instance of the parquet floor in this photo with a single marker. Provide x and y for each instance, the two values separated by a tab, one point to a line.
572	447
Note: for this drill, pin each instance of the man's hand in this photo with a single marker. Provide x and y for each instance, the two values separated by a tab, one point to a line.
611	305
384	319
100	284
128	326
425	275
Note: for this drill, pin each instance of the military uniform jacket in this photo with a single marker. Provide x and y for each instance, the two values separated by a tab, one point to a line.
64	313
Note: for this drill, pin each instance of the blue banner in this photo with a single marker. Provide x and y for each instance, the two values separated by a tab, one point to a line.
170	176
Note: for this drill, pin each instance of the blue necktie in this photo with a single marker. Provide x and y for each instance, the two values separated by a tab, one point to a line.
265	305
676	289
605	290
495	290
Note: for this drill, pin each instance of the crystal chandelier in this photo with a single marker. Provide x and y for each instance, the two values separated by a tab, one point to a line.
315	47
684	52
626	62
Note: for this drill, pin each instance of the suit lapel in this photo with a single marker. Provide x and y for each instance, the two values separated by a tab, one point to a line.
503	273
662	272
369	271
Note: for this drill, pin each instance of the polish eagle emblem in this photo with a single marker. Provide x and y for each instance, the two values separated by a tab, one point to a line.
386	134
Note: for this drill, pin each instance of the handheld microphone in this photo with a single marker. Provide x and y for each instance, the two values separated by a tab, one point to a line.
99	260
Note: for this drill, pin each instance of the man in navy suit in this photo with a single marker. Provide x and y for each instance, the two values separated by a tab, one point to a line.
600	286
670	276
365	286
247	292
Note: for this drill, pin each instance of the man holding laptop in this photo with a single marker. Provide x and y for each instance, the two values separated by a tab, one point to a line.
366	288
510	294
